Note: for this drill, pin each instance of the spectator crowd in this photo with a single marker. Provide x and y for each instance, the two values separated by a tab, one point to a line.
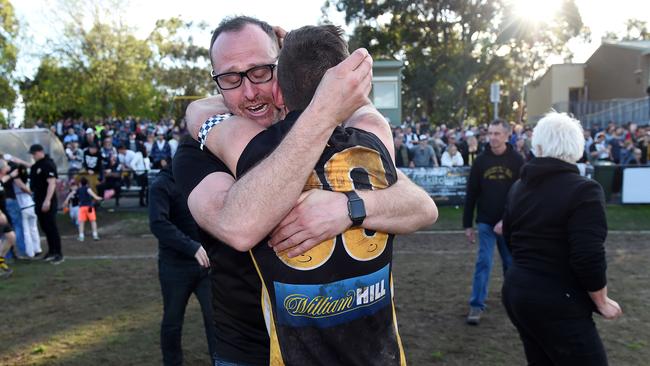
421	144
114	152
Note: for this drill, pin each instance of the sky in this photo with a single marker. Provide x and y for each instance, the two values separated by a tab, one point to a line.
38	23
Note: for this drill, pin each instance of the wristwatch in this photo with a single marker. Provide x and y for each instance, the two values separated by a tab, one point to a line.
356	208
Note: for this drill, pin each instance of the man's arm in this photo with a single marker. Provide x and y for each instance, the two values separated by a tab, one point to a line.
51	187
159	221
258	201
200	110
401	208
472	192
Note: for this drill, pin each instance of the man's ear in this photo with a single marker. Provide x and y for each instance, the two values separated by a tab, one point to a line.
278	98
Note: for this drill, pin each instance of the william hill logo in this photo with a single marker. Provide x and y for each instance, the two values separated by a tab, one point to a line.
319	306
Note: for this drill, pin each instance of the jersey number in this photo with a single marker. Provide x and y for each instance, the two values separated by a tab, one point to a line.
359	243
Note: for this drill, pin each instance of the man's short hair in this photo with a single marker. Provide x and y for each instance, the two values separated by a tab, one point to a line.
306	55
235	24
501	122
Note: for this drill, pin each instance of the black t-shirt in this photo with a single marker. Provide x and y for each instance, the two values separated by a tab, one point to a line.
236	287
8	186
93	161
38	176
325	299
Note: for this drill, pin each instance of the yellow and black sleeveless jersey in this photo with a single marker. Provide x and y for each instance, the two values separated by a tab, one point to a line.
332	305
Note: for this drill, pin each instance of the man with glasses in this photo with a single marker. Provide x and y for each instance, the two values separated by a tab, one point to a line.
243	210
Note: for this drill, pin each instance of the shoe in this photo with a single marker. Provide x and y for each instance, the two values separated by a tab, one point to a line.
95	237
5	272
80	238
474	316
58	260
3	266
49	258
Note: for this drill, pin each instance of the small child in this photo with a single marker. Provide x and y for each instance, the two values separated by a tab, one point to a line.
71	203
86	208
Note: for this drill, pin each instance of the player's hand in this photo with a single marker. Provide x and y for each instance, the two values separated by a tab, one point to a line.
345	87
469	233
280	33
498	228
202	257
318	216
45	207
200	110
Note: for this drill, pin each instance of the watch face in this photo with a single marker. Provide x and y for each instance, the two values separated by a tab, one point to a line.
357	210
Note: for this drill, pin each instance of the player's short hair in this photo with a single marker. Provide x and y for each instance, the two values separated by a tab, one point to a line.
237	23
306	55
559	136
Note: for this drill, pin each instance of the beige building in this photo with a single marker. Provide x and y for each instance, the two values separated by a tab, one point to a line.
611	86
560	83
618	70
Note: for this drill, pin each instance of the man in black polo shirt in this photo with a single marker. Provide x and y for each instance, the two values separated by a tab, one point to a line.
247	46
42	178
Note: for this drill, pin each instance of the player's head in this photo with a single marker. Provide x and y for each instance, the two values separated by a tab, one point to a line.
83	181
246	45
306	55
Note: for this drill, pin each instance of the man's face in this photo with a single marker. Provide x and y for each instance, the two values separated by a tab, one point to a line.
240	51
498	136
38	155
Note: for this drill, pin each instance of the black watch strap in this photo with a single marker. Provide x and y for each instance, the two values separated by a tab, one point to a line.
356	208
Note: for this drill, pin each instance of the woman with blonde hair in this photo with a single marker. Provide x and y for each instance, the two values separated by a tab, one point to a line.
555	226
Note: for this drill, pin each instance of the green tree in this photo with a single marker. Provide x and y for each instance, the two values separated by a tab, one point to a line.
52	93
180	67
531	41
454	49
103	69
8	54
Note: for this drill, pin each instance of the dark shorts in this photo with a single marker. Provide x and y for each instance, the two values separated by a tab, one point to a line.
6	228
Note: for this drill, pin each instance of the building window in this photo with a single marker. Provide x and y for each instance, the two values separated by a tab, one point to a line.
385	92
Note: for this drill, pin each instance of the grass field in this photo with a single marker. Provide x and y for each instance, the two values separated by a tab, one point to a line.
103	305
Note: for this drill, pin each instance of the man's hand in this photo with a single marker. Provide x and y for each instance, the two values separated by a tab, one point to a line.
609	309
498	228
318	216
45	207
344	88
202	257
469	233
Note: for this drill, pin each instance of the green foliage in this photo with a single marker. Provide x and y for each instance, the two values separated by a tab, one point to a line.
180	66
99	68
8	54
454	49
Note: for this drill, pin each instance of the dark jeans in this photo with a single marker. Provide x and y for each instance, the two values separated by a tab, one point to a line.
143	182
178	282
47	220
554	320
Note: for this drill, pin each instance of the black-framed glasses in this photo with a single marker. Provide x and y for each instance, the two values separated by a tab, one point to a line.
257	75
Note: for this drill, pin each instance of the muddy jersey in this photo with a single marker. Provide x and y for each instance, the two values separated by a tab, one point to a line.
332	305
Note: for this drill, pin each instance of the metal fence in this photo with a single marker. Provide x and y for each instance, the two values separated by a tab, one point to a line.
600	113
